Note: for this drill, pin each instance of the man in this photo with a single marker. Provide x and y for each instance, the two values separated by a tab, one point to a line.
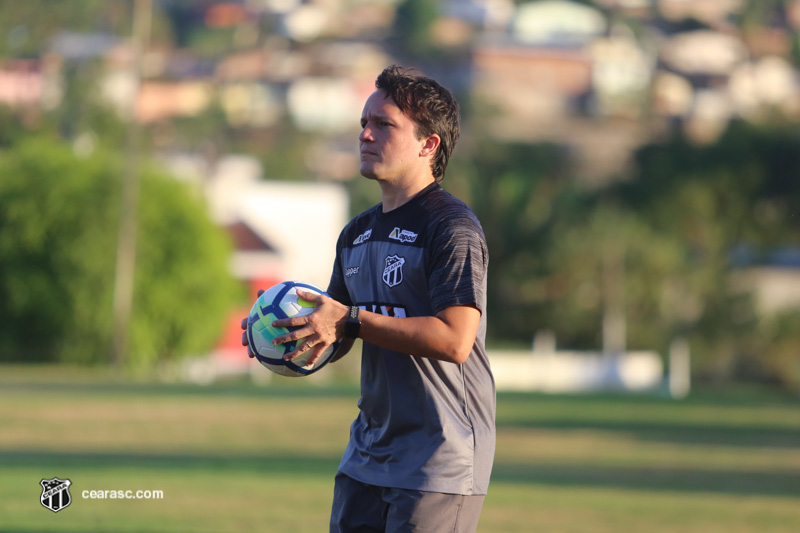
409	279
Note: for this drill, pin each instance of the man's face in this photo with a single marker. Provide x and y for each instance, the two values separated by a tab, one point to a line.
390	149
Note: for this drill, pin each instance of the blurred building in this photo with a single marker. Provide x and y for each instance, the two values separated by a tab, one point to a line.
715	13
281	230
22	84
773	278
535	76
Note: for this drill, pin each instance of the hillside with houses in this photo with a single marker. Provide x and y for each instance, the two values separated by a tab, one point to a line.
600	77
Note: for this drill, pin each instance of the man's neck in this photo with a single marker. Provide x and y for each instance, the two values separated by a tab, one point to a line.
396	195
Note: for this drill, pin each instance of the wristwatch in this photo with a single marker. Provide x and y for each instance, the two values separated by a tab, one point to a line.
352	326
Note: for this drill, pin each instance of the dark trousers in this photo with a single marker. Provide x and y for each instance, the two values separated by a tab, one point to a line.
362	508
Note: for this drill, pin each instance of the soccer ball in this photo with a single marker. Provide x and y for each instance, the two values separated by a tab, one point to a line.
281	301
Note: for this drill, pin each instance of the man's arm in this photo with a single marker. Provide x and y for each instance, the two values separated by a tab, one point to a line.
448	336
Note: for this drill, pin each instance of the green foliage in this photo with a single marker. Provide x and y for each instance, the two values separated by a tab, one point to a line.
606	258
59	216
762	12
746	182
11	128
412	26
284	150
740	191
82	109
363	193
516	191
28	26
55	213
659	245
185	17
184	289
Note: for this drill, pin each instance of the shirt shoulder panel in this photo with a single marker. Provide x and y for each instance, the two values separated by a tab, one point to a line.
458	254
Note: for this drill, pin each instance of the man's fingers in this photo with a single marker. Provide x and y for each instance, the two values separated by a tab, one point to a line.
292	322
299	350
291	336
308	345
307	295
296	334
318	351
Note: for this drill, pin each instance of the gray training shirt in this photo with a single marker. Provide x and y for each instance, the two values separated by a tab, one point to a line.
423	424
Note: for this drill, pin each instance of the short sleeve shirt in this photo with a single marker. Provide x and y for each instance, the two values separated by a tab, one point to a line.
422	424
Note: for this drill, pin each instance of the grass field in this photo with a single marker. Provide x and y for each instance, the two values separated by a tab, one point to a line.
242	458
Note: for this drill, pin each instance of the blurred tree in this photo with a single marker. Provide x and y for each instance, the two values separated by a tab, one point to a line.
605	261
657	248
207	133
762	13
82	109
741	191
362	193
775	356
29	26
515	190
11	127
185	17
59	215
283	151
412	28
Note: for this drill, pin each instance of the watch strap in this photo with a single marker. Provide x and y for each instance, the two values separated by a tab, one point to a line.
352	325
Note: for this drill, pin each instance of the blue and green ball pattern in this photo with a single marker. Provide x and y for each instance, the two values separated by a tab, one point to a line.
281	301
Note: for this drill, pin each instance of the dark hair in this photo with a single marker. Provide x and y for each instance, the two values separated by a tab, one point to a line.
432	108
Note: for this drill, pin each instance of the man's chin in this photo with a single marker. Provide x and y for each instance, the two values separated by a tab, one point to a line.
368	173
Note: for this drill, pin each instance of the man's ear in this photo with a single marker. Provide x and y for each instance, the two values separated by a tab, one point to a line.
430	144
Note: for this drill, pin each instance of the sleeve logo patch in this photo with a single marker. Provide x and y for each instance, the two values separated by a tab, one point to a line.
363	237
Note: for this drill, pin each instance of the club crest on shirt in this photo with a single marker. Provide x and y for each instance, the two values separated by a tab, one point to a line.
393	273
403	235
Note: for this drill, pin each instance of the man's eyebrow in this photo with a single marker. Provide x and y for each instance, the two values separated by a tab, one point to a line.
376	116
